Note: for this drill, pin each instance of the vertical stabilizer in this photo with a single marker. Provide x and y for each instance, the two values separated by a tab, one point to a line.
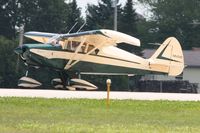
168	58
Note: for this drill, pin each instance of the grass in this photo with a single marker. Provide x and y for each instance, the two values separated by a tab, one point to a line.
85	116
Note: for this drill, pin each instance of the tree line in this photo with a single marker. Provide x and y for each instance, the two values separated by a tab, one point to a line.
179	18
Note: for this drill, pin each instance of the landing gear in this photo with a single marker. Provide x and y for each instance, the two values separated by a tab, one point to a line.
27	82
62	82
65	79
71	84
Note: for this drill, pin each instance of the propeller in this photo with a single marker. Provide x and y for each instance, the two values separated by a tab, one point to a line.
21	33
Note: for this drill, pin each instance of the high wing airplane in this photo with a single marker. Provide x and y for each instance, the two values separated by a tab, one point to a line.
95	52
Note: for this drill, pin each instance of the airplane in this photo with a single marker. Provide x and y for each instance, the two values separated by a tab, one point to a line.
94	52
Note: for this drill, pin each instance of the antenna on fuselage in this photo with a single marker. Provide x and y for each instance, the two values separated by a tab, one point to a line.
72	27
81	27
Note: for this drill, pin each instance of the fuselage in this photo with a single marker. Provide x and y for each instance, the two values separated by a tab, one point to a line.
109	59
95	52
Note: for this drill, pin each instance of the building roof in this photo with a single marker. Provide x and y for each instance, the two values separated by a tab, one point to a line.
191	57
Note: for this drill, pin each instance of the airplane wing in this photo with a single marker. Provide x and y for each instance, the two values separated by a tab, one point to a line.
90	41
42	37
94	37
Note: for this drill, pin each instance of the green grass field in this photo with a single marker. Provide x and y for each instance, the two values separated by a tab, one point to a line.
76	115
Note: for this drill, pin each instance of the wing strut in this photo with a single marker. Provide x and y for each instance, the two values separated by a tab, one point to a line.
84	55
79	47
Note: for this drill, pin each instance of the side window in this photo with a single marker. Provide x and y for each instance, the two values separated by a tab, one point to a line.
70	45
88	48
91	47
73	45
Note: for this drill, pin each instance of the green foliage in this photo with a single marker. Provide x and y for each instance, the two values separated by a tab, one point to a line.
145	35
8	60
73	16
128	21
128	24
49	16
100	16
176	18
54	16
38	15
7	18
83	115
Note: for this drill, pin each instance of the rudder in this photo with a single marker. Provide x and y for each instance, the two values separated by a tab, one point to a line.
168	57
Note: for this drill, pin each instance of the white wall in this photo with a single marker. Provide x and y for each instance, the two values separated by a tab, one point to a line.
192	74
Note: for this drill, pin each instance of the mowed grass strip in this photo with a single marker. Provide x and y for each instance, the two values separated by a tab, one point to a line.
84	115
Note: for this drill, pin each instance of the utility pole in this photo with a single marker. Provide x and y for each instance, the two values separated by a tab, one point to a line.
115	16
21	34
114	4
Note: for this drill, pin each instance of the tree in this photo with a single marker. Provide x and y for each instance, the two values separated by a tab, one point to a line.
8	75
175	18
49	16
128	24
7	18
73	16
101	16
38	15
128	20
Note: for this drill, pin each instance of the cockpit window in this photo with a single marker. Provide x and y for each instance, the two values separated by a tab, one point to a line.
73	45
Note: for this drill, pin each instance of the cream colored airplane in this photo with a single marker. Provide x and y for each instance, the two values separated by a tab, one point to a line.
95	52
